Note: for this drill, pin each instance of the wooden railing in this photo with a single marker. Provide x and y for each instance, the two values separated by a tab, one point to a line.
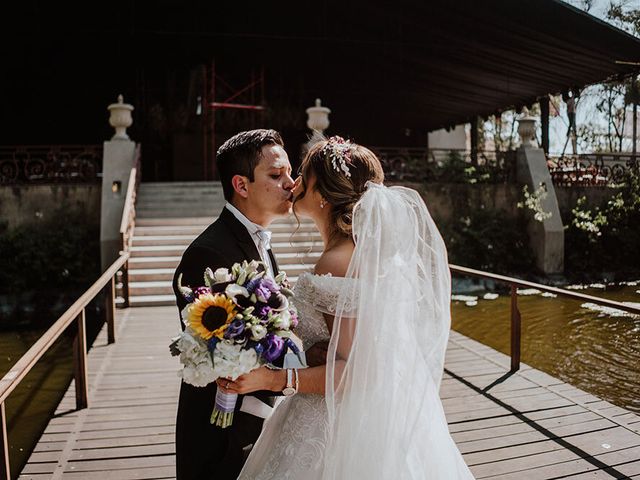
74	314
127	223
515	312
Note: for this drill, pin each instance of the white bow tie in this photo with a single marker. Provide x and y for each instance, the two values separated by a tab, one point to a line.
265	238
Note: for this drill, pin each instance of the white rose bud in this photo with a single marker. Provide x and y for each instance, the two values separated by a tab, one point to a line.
258	332
222	275
283	320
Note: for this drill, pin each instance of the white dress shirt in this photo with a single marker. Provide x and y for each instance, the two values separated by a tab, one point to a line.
260	236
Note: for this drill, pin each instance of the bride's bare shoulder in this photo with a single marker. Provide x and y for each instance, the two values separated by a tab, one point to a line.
335	261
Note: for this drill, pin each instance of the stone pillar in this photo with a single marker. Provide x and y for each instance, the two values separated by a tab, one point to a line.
547	236
117	162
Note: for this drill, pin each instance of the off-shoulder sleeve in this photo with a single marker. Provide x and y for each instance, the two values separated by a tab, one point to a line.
326	293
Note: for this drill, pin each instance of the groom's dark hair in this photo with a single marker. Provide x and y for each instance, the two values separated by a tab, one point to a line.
241	154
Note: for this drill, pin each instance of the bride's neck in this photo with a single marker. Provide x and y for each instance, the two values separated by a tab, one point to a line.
330	238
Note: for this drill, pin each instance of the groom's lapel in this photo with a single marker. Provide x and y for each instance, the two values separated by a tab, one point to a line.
241	235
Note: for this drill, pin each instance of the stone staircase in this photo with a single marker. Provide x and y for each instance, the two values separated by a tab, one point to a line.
170	215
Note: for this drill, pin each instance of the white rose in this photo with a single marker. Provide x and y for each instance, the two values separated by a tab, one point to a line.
258	332
283	320
222	275
233	290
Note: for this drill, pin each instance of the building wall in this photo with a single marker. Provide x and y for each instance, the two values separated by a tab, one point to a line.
20	204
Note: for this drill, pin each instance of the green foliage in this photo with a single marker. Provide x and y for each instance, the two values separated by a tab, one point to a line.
606	238
456	170
488	240
62	251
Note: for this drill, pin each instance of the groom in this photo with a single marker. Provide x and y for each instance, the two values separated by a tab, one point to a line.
256	180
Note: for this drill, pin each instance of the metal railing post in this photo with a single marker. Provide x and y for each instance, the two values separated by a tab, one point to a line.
80	363
5	470
515	330
110	304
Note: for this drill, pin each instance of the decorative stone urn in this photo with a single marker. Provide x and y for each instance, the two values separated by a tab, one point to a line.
120	118
318	117
527	129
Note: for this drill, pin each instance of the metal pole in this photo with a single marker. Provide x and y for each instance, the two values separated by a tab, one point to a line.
110	308
5	470
515	330
80	363
474	141
634	90
544	117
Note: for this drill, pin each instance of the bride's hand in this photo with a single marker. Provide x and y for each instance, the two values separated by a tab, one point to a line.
261	378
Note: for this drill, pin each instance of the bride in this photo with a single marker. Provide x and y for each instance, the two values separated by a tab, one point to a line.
380	293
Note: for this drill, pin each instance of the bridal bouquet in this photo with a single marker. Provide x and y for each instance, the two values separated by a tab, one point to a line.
241	319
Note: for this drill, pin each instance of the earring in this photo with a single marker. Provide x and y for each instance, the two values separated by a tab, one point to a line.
322	203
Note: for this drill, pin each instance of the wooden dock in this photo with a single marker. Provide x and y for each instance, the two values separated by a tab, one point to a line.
523	426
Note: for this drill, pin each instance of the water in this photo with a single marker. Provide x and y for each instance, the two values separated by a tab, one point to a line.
594	351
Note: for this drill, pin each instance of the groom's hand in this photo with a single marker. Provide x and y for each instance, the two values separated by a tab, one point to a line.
261	378
317	354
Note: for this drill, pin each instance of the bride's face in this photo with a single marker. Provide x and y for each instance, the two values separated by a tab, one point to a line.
306	199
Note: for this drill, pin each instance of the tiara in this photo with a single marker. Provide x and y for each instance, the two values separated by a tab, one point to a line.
339	151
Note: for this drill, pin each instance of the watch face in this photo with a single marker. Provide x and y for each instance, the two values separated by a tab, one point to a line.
288	391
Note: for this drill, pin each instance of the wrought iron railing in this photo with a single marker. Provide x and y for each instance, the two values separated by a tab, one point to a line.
446	165
593	169
75	314
29	164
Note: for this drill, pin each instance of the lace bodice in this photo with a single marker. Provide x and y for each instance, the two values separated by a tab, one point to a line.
313	296
292	443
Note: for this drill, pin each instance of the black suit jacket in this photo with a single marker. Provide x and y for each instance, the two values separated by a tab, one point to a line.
204	451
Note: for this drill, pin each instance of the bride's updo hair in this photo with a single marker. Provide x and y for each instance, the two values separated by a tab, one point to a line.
341	191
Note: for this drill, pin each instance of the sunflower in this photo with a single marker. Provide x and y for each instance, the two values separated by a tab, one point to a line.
209	315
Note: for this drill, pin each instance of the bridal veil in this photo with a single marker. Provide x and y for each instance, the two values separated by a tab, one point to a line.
386	357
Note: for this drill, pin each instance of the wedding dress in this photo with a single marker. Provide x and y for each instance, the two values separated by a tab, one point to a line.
381	417
292	442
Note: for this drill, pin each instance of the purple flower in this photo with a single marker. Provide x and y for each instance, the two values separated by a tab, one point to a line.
265	288
273	347
263	313
235	329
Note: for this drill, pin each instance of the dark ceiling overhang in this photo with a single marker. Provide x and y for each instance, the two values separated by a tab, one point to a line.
412	64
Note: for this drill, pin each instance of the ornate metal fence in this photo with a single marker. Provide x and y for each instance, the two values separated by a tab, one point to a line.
448	165
50	164
592	170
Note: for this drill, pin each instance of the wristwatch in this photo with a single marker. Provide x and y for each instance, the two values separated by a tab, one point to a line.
292	386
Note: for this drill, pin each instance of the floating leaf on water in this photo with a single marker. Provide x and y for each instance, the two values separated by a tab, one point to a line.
610	311
471	303
528	291
490	296
548	295
464	298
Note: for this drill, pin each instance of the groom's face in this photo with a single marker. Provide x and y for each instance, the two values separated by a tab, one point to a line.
270	192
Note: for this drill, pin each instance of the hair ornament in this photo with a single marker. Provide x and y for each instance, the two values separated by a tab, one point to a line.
339	151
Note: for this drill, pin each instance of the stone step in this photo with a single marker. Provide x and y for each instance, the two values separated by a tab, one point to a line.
151	274
161	230
280	250
150	288
203	222
278	237
152	300
154	262
160	185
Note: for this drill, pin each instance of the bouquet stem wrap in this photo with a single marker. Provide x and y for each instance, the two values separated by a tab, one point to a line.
222	415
